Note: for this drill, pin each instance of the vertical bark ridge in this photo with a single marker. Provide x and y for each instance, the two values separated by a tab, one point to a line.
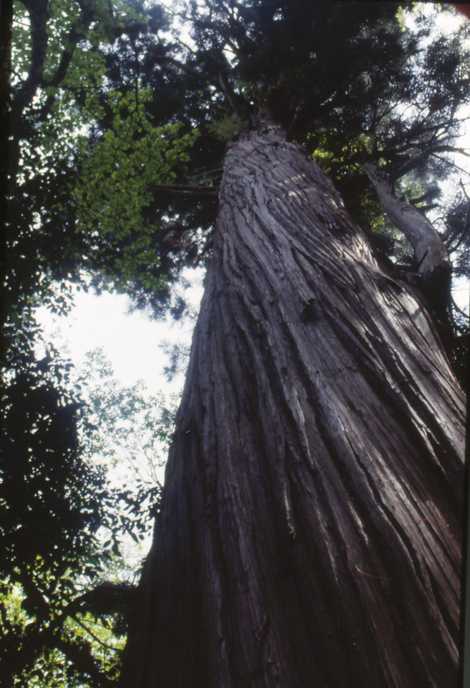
310	528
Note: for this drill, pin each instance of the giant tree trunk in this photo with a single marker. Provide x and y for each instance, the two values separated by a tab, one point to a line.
309	535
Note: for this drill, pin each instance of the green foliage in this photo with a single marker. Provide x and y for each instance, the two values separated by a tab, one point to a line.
108	643
131	430
21	43
110	483
346	161
51	504
49	497
63	521
118	177
227	127
32	651
82	201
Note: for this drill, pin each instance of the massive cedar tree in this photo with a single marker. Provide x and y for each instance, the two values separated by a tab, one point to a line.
310	531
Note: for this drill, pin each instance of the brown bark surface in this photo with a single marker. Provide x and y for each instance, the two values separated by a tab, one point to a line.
309	535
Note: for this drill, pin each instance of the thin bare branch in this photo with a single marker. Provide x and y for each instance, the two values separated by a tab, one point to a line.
189	190
459	310
451	164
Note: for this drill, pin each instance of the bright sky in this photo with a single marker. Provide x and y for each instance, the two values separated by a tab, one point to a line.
131	341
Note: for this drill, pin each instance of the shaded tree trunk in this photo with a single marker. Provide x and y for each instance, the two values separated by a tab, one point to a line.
6	20
310	531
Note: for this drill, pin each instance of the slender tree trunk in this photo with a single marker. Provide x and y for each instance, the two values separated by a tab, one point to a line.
6	20
309	535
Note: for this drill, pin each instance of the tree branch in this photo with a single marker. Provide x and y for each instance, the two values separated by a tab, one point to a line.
76	33
229	94
61	71
411	163
429	249
190	190
451	164
95	637
38	12
39	15
83	660
459	310
106	598
458	235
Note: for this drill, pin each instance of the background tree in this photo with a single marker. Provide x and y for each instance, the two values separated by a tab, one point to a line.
66	576
55	501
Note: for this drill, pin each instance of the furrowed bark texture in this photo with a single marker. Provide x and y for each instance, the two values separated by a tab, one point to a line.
309	535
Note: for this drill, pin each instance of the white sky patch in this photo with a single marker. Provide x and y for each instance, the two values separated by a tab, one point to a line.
461	293
132	341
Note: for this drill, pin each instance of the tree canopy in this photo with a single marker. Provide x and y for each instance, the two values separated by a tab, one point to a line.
147	112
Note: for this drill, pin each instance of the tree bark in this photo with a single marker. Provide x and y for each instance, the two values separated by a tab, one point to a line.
310	530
